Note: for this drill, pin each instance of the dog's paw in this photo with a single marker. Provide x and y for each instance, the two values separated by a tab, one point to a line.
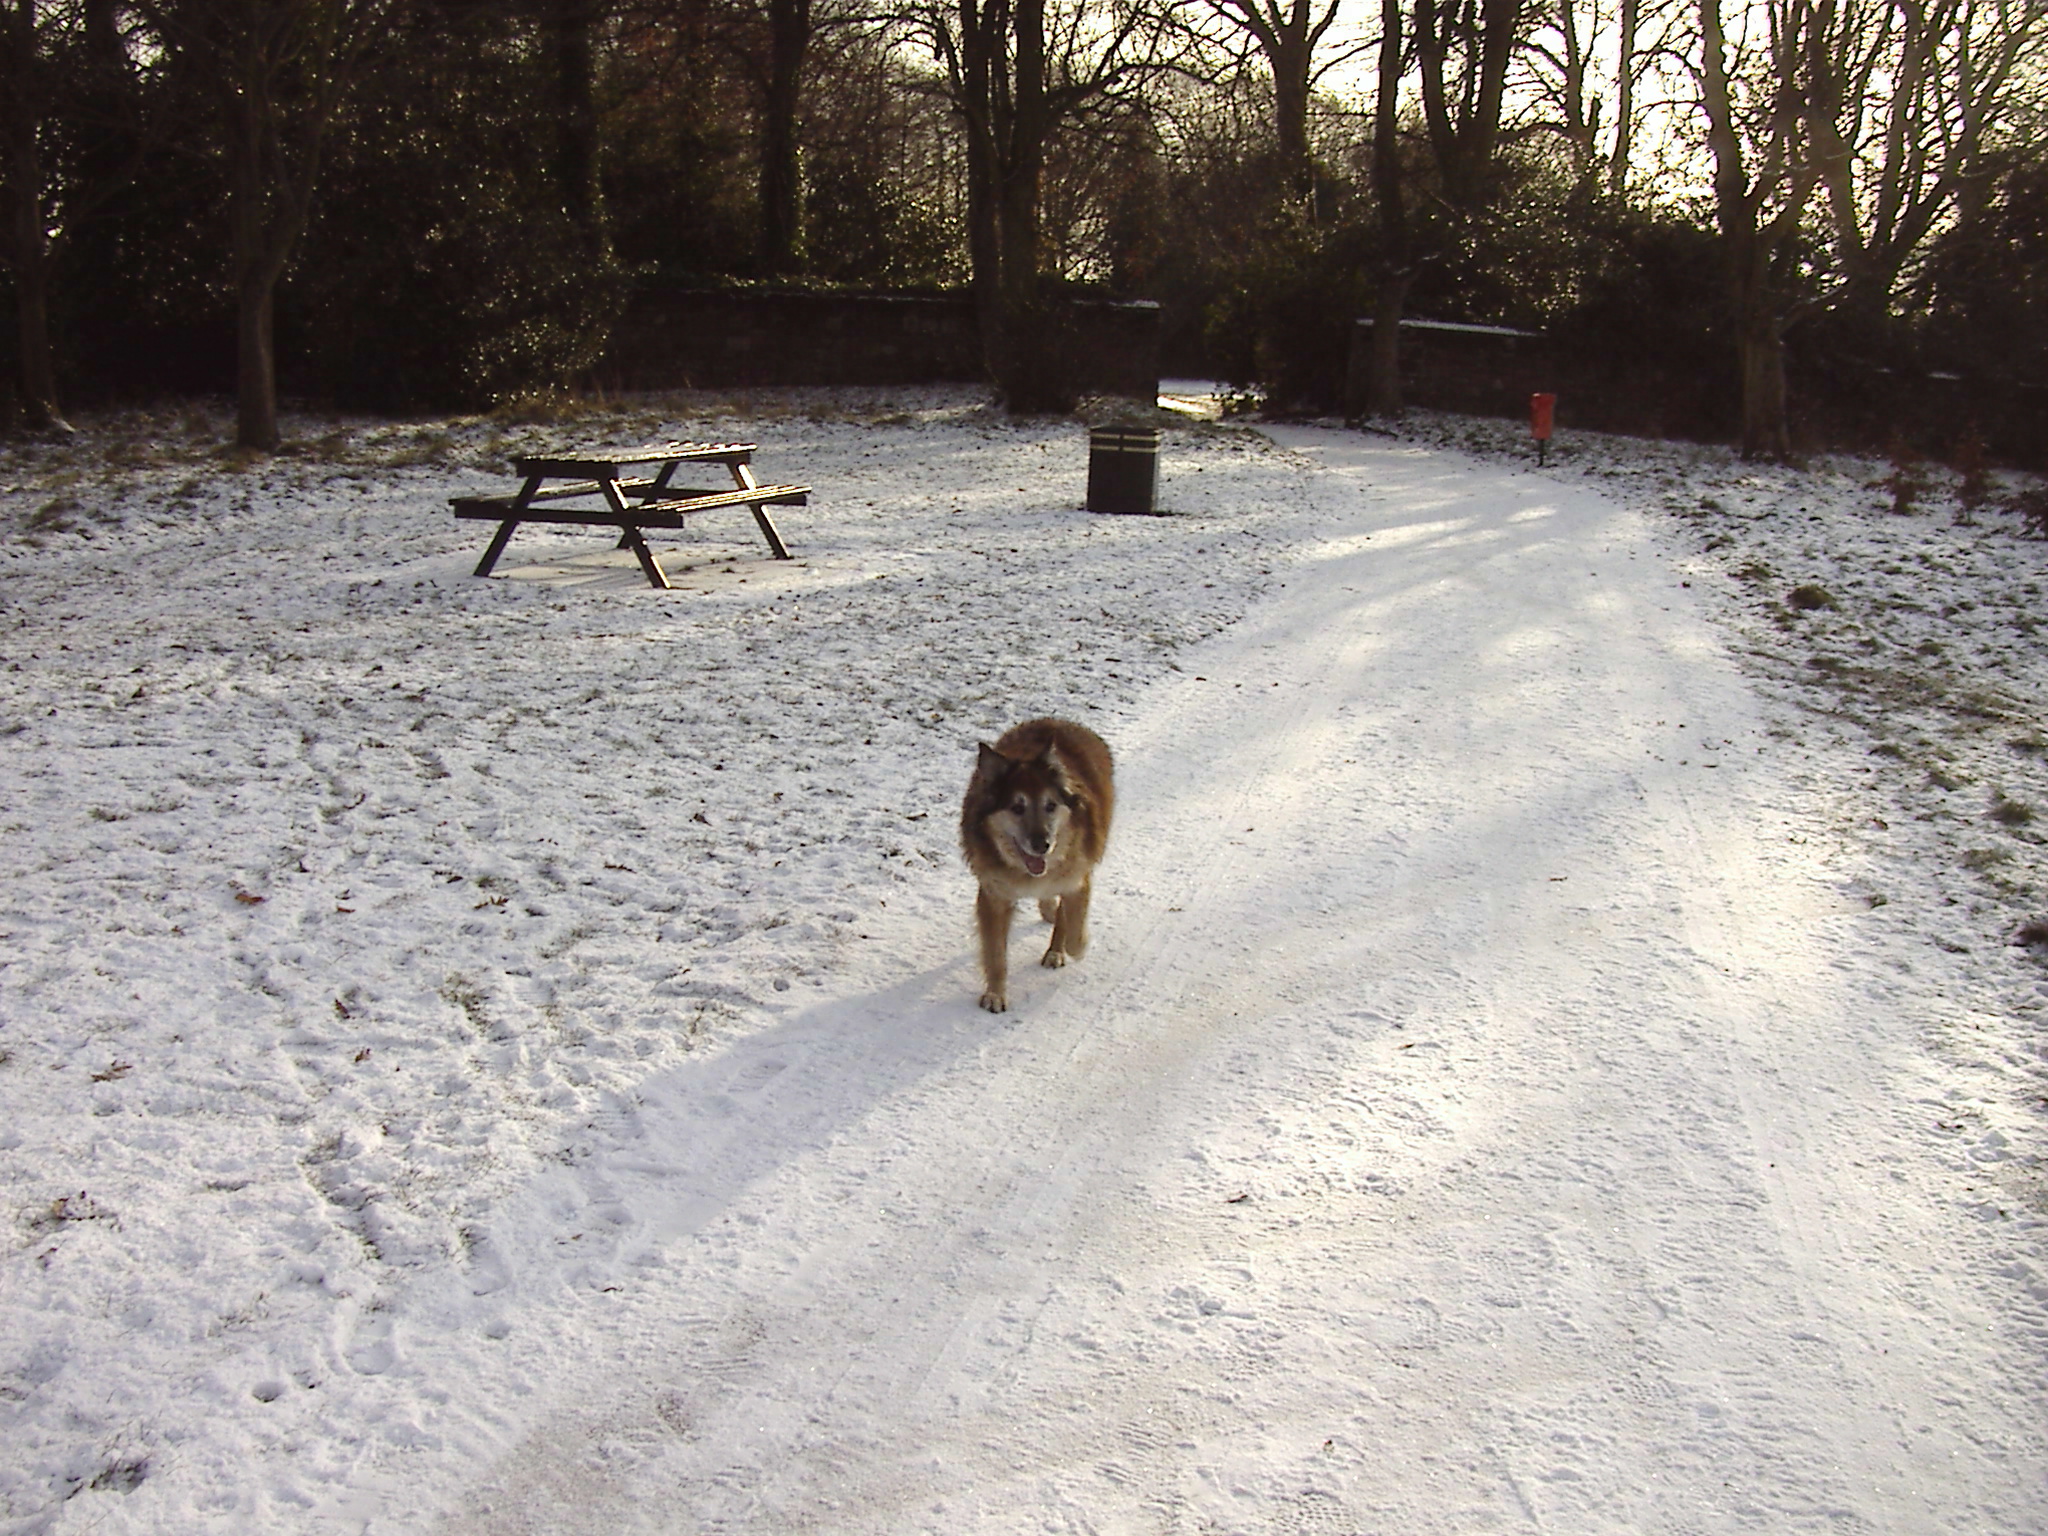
1054	959
996	1002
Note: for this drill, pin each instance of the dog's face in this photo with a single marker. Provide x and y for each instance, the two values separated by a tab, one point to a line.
1029	807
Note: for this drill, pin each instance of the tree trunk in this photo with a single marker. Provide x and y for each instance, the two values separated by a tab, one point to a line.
1765	431
1290	61
249	217
1747	243
22	184
1625	99
1397	272
782	181
975	99
32	292
576	121
1759	336
256	364
1383	376
1030	349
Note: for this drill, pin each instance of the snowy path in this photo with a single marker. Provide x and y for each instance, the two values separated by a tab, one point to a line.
1468	1120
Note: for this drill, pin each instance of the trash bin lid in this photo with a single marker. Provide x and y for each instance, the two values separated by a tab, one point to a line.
1124	439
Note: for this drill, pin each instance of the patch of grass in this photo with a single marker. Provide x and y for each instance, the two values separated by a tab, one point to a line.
2031	508
53	516
2008	812
546	408
122	1476
1973	478
470	998
70	1210
427	446
330	447
1810	596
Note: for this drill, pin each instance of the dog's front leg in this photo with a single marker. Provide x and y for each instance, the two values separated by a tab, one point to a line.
992	916
1069	929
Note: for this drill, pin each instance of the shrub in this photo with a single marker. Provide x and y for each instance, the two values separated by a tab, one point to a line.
1908	481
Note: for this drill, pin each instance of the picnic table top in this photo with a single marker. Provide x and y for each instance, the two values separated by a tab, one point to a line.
605	463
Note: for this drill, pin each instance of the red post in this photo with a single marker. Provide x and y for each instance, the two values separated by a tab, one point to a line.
1542	411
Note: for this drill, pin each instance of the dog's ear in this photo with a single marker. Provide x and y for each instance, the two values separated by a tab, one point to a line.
989	768
1056	770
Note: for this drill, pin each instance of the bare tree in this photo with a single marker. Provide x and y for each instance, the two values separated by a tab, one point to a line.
1909	104
1752	98
1582	56
884	177
782	181
1461	51
69	144
1014	71
1295	39
772	42
280	70
1390	200
28	80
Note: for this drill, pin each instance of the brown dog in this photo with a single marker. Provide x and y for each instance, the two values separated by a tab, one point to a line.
1033	827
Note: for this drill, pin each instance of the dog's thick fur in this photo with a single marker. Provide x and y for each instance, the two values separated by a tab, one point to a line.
1033	826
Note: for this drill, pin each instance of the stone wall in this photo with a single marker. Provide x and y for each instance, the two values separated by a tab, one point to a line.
707	338
1487	370
1481	370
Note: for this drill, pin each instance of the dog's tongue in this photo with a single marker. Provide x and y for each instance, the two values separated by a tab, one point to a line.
1034	863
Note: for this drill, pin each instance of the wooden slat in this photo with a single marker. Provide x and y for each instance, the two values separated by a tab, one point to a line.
779	495
646	514
591	488
606	460
503	503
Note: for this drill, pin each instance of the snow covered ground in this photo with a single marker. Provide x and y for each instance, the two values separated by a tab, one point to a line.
501	1056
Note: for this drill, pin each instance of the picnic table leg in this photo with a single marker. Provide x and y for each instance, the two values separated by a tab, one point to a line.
504	534
630	536
498	543
744	474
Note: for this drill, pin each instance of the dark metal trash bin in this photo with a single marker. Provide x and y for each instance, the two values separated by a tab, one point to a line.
1123	469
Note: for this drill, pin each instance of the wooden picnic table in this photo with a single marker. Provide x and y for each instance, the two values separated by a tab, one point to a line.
593	490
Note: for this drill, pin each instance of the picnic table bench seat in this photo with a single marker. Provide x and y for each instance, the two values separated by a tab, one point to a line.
628	503
670	512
